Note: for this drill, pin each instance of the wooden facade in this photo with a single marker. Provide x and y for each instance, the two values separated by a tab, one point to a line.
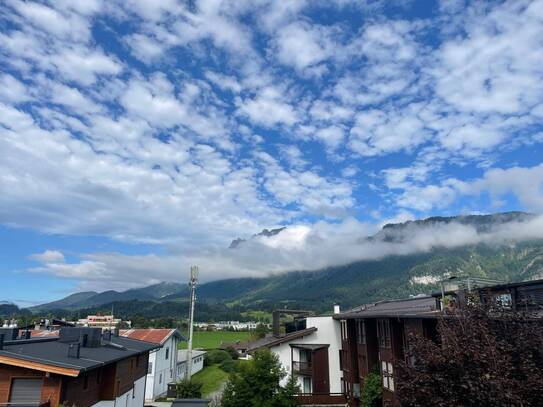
88	388
375	344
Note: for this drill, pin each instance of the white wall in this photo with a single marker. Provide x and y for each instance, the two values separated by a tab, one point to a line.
328	332
132	398
164	370
197	363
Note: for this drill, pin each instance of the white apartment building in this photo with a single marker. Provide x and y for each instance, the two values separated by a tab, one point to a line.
310	354
163	362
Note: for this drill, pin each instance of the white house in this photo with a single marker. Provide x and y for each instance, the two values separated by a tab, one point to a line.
162	362
311	354
197	362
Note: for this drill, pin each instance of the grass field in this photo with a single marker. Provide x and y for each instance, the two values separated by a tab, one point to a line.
212	377
213	339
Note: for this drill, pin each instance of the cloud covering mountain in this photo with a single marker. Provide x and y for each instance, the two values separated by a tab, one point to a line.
299	248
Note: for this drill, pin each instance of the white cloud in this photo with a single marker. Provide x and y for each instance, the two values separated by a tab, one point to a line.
48	256
525	184
302	45
268	108
13	90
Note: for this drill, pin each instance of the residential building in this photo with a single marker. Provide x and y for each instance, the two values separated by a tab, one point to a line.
162	362
309	350
83	367
375	336
197	362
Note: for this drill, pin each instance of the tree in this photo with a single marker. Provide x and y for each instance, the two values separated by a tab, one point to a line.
372	391
188	389
260	331
256	383
485	356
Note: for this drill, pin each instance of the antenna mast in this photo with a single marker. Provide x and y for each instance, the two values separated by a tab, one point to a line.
192	285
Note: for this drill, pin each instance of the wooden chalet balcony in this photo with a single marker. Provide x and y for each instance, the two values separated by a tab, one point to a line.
302	368
322	399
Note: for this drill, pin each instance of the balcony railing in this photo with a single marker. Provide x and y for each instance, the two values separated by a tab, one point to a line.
321	399
305	368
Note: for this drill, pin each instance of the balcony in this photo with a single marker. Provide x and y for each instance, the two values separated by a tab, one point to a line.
322	399
302	368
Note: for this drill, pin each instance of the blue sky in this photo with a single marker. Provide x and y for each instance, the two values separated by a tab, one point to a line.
139	137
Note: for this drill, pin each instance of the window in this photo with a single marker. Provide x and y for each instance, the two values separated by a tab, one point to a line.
307	385
383	330
340	360
361	332
343	330
387	372
150	368
160	379
167	353
171	373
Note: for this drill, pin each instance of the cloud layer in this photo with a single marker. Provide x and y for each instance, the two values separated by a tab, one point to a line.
301	247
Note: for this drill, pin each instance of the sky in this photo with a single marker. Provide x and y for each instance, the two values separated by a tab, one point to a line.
138	137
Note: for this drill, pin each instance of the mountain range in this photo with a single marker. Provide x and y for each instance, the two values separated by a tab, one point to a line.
393	276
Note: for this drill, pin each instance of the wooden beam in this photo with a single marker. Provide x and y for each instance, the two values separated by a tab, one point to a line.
39	366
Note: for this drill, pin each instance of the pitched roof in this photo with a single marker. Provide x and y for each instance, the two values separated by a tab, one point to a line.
270	340
152	335
416	307
51	355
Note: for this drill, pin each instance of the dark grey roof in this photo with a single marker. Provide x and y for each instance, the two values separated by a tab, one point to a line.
51	351
271	340
416	307
309	346
190	403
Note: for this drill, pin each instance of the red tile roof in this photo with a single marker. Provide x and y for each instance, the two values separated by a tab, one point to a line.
36	333
152	335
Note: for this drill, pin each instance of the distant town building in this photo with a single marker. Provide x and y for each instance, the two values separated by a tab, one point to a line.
105	322
83	367
227	325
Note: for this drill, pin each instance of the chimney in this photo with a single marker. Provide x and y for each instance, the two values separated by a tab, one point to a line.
336	309
10	334
73	350
276	316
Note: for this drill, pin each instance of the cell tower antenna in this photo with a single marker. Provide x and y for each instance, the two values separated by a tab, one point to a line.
192	286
